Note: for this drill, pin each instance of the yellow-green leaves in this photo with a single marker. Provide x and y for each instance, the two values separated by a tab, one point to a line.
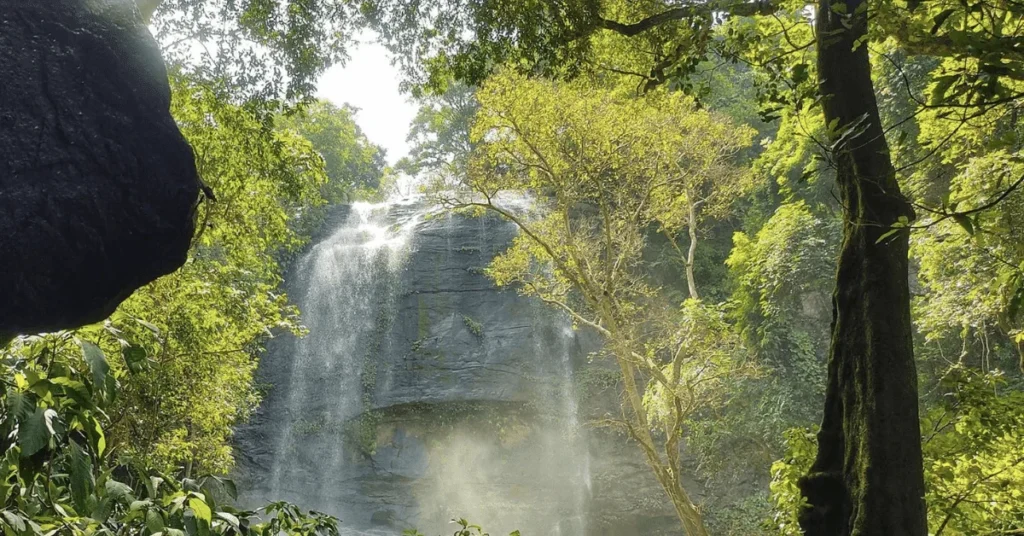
189	340
588	173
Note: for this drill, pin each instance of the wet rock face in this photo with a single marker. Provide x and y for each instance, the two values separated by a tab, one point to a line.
97	184
441	396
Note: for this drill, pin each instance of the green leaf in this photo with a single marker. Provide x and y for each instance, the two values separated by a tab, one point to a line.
153	486
100	509
33	433
201	509
887	234
154	521
232	490
150	327
16	521
75	389
225	485
1016	302
80	475
134	358
97	363
52	420
800	73
97	436
942	85
940	19
965	222
118	491
232	520
20	405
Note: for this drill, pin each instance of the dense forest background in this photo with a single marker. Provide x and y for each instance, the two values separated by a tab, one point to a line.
690	203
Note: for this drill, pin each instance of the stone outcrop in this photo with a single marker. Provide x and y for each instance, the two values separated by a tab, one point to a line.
97	184
467	402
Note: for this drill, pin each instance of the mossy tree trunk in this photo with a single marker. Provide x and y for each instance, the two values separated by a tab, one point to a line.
867	478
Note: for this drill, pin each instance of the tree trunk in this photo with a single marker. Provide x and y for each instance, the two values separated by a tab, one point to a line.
693	524
691	225
668	474
867	478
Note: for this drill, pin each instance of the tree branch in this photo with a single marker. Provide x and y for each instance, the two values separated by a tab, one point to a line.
686	11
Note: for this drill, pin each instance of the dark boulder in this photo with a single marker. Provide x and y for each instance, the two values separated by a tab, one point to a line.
97	185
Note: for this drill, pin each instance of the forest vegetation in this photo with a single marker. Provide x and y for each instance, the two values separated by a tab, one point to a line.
797	229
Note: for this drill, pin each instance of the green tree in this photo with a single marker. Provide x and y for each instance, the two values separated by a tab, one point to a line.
351	161
440	133
59	473
974	468
604	170
202	326
868	433
265	53
973	282
779	304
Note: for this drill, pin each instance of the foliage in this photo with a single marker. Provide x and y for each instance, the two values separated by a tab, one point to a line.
603	169
352	163
463	40
58	473
780	306
792	164
708	341
473	326
201	327
782	283
465	529
973	268
801	445
975	41
264	53
974	469
660	42
440	133
973	462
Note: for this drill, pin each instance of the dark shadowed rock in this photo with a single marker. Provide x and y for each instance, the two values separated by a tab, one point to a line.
97	185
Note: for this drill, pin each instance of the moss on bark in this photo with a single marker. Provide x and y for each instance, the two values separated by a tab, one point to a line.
867	478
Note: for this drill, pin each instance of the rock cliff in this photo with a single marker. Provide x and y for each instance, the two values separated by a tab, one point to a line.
422	392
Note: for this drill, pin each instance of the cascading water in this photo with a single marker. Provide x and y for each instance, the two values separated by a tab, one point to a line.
421	392
345	276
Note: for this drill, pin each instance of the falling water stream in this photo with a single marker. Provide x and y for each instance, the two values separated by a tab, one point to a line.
344	273
460	397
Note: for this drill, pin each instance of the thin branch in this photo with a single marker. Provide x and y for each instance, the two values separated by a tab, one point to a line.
958	214
687	11
963	496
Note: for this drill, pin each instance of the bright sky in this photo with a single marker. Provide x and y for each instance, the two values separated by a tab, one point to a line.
369	82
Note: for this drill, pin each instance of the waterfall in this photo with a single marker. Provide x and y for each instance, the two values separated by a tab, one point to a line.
345	278
420	392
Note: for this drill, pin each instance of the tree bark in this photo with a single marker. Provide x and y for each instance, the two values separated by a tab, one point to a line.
867	478
691	280
668	474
